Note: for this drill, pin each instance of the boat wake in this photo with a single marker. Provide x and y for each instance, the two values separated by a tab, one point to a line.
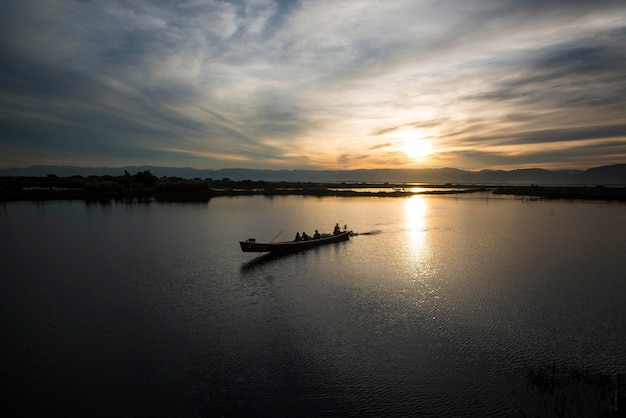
376	232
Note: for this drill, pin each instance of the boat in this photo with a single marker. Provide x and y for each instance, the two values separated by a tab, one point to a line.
251	246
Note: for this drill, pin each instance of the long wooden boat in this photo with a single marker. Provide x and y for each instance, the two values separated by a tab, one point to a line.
251	246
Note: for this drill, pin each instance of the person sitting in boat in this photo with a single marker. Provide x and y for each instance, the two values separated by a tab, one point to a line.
317	235
297	237
337	229
305	237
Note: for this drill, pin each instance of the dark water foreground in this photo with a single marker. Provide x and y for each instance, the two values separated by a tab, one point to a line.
440	306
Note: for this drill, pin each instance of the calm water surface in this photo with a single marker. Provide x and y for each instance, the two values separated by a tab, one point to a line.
438	307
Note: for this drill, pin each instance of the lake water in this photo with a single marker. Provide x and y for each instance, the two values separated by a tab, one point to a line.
439	306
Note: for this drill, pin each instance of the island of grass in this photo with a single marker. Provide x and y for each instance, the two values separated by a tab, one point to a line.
144	185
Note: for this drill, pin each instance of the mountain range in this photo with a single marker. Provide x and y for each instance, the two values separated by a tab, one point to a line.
604	175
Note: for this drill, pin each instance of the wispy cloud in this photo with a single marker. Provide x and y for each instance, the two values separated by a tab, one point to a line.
316	84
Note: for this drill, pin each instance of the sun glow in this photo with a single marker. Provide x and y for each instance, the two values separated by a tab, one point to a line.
415	145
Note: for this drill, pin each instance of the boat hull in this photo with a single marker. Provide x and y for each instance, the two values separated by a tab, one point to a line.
251	246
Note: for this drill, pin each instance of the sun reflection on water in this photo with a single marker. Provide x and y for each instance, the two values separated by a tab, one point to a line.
416	211
418	252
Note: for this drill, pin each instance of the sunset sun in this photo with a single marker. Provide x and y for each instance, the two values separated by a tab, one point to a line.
415	145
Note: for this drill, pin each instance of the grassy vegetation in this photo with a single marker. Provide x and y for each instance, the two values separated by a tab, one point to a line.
144	185
568	391
566	192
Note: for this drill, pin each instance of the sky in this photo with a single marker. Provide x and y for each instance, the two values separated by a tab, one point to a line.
351	84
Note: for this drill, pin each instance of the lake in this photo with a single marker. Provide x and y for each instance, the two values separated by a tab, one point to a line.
438	306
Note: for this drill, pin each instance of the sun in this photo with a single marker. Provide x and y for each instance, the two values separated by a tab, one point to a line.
415	145
417	148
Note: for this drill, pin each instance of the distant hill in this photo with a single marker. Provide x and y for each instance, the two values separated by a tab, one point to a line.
605	175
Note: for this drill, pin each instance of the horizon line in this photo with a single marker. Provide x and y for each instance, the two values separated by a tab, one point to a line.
300	169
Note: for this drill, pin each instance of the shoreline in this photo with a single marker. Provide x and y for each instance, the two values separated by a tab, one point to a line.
144	185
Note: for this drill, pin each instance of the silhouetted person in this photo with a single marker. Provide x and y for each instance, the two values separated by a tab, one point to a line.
298	237
305	237
337	229
317	235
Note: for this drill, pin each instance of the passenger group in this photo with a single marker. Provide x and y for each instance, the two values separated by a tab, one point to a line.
317	235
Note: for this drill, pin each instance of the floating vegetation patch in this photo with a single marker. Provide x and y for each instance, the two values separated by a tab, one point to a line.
567	391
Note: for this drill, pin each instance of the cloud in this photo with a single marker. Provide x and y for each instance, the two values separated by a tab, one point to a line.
559	93
321	84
